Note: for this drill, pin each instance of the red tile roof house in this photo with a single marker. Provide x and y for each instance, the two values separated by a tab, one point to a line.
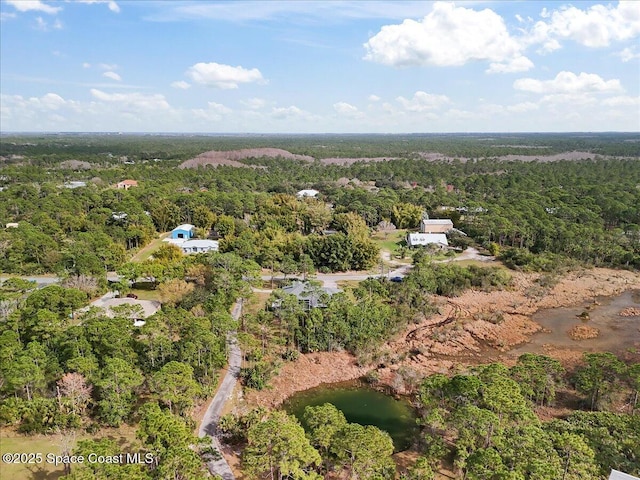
126	184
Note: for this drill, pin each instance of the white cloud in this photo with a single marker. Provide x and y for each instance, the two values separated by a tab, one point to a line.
181	84
523	107
214	113
219	108
43	25
519	64
621	101
107	66
597	26
628	54
33	5
6	16
568	83
289	11
373	98
113	6
112	76
86	65
222	76
287	112
132	100
52	101
457	114
448	36
254	103
423	101
346	109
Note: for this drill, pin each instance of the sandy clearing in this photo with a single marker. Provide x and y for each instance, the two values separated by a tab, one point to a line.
215	158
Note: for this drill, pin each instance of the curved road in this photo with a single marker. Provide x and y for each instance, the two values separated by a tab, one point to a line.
209	425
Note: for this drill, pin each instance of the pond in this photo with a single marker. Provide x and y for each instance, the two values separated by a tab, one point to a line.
617	333
363	405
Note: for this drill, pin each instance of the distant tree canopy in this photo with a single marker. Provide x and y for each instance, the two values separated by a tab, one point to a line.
586	210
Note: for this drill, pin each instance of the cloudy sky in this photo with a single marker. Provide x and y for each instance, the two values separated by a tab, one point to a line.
328	66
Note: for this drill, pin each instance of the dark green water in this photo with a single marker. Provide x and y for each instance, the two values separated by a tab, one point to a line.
362	405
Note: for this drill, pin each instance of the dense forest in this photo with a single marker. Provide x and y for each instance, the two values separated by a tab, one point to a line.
585	210
65	367
481	423
66	370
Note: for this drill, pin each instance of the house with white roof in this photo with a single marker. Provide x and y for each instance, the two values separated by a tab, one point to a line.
199	246
616	475
422	239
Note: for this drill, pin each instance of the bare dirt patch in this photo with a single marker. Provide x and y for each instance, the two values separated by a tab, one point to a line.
231	158
75	165
571	156
583	332
350	161
499	320
476	327
308	371
630	312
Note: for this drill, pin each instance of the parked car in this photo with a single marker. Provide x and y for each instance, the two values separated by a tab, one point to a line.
132	295
396	279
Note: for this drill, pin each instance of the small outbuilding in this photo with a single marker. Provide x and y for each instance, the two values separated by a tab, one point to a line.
199	246
436	225
12	225
184	231
422	239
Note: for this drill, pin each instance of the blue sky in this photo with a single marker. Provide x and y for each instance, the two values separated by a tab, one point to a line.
316	67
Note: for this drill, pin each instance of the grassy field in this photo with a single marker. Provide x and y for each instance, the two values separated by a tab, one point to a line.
389	240
144	294
256	303
146	251
12	442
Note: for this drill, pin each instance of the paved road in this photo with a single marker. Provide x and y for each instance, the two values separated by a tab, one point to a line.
209	425
331	280
40	280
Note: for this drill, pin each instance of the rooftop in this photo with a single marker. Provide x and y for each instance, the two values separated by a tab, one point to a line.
149	307
437	221
184	226
199	243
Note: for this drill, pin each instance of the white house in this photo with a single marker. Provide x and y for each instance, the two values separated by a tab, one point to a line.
199	246
436	225
307	193
12	225
416	239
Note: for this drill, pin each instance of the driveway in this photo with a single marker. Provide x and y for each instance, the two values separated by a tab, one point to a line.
209	425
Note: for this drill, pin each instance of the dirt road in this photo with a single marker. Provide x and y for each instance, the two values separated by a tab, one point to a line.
209	425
